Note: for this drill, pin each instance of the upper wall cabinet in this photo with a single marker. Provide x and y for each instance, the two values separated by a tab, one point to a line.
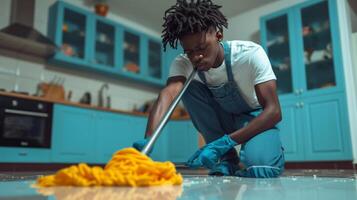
304	49
303	45
92	42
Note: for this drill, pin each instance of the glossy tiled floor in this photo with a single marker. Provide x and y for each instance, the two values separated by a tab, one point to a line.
291	187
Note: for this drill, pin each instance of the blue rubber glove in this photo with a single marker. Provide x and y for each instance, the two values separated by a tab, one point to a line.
140	144
210	154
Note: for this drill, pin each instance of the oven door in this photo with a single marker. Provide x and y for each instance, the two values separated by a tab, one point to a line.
25	128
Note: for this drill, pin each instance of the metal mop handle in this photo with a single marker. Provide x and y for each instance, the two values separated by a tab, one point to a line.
165	118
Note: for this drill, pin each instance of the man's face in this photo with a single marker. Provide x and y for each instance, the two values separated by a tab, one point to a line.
201	48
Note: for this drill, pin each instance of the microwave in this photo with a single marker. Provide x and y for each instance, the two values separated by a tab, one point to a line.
25	122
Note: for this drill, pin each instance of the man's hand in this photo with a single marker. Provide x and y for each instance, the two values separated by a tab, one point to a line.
140	144
210	154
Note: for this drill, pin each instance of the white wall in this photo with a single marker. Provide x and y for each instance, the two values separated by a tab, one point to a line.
354	74
23	73
246	27
354	53
345	29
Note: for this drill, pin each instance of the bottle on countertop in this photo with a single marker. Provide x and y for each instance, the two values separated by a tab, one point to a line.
103	95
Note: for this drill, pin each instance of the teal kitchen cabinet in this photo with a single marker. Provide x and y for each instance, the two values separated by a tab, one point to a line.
291	129
177	142
304	49
91	42
182	141
160	152
85	135
104	55
114	132
73	137
326	130
92	136
155	62
70	28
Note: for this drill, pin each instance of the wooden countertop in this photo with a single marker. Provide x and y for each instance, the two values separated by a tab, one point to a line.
23	96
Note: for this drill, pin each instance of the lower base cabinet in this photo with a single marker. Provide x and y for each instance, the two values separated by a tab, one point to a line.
83	135
177	142
114	132
316	129
72	135
182	142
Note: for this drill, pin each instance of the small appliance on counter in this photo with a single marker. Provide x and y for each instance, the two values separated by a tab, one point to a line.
25	123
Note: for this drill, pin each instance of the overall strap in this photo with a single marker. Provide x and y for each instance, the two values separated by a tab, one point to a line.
227	60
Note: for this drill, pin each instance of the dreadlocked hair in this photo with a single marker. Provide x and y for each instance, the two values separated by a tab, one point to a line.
190	17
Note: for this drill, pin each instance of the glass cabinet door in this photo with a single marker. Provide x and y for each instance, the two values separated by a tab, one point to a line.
104	44
131	52
154	59
318	56
278	49
73	34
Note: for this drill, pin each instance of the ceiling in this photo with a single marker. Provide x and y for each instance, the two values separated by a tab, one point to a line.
149	13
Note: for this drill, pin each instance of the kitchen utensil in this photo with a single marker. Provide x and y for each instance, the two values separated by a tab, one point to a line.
53	90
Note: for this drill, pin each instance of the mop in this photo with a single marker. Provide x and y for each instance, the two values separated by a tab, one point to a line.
128	167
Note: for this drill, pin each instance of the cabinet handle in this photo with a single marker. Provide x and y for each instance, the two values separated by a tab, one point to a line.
301	104
22	154
299	91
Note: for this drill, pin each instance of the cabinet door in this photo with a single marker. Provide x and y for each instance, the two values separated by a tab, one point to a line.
104	51
160	152
72	134
276	39
73	40
154	52
112	133
182	140
291	130
131	57
326	132
319	48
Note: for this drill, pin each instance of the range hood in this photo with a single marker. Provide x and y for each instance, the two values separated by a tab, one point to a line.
20	36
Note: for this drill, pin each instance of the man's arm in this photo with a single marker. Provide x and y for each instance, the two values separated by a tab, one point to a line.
271	115
162	103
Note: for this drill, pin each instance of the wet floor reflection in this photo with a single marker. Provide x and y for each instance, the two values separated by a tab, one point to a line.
111	193
204	187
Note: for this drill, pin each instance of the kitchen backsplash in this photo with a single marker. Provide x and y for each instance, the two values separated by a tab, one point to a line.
22	73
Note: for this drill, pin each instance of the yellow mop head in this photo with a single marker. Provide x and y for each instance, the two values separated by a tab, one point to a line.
128	167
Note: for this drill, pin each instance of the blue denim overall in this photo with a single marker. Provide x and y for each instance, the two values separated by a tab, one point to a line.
220	110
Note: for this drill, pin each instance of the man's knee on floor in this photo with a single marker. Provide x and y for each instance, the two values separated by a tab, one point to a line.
264	171
259	165
258	159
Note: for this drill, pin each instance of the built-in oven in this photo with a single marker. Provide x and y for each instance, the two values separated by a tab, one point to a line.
25	122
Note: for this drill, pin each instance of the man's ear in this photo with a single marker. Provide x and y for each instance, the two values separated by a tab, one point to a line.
219	36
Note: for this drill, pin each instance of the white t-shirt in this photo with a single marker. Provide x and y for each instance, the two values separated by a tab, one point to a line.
250	66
